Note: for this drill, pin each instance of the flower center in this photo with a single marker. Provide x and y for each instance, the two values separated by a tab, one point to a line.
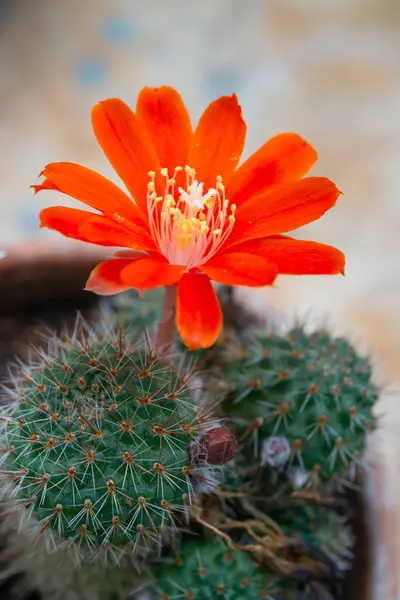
189	225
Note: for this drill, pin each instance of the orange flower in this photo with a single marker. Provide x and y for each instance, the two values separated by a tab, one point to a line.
196	217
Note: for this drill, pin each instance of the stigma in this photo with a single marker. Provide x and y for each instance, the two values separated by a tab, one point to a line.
189	224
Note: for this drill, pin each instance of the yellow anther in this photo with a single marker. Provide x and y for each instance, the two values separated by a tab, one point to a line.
192	228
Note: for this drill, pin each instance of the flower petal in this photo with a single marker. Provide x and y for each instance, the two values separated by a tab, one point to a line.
297	257
168	124
218	141
105	279
95	229
119	274
148	273
127	146
132	254
240	268
283	209
284	158
90	188
198	313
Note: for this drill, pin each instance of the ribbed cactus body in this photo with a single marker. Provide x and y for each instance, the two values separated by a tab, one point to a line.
326	532
97	443
301	400
205	570
139	313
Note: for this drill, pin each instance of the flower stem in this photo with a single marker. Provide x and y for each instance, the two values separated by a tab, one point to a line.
166	326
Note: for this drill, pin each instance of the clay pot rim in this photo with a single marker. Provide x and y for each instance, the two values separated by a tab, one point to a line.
34	272
33	252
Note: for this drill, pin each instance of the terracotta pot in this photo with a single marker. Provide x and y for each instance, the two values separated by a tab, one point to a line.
41	287
34	273
382	514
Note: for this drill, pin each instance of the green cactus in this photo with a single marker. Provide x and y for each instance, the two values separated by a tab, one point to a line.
96	443
101	453
301	402
137	313
204	570
325	532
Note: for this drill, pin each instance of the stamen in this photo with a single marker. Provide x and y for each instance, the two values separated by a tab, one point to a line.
191	227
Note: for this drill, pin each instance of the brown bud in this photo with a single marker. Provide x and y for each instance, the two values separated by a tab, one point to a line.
220	445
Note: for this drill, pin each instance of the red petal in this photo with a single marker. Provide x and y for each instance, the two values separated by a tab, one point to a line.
218	141
127	146
105	279
45	185
119	274
283	209
148	273
95	229
284	158
240	268
132	254
168	124
297	257
198	313
92	189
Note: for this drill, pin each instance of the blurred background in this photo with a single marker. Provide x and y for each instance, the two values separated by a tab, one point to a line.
329	70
